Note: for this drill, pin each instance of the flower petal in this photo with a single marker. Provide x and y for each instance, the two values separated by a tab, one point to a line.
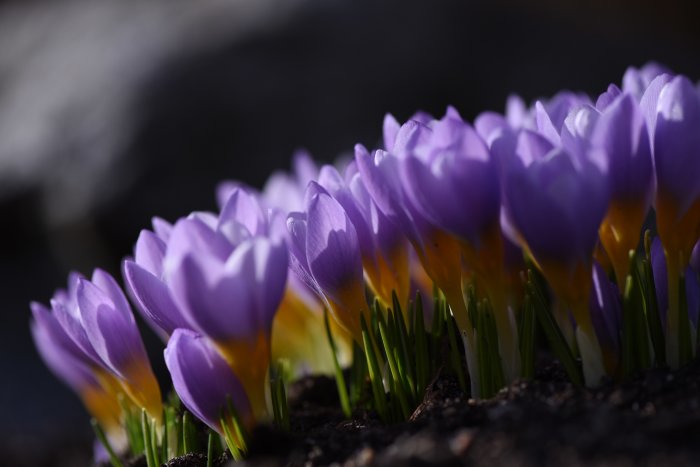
332	247
111	329
152	298
149	252
218	305
677	142
202	378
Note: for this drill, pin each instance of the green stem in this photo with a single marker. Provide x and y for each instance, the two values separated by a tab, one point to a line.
339	378
113	459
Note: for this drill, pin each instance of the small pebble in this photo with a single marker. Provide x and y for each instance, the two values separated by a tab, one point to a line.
461	442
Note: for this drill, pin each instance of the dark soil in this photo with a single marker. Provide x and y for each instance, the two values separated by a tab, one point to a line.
654	419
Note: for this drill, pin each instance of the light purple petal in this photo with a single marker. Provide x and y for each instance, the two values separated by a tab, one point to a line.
331	246
606	98
202	378
649	101
152	298
489	124
162	228
391	129
244	208
193	235
304	168
677	142
635	81
577	129
557	204
623	140
263	265
378	172
296	243
330	179
545	126
283	192
149	252
111	328
68	362
214	303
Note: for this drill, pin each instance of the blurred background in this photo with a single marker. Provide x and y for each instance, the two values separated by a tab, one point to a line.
112	112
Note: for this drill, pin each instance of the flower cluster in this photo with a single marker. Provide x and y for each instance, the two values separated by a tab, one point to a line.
532	216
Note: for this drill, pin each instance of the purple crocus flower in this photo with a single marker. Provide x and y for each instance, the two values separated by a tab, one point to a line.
78	371
449	161
96	317
147	276
204	381
620	141
326	255
383	248
234	301
452	162
111	329
676	144
557	202
438	251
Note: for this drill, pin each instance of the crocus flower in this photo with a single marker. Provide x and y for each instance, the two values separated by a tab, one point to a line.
111	329
72	366
204	381
383	249
439	251
556	201
233	301
326	255
621	140
451	162
676	145
98	319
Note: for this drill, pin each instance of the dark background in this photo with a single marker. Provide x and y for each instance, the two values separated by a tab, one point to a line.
111	113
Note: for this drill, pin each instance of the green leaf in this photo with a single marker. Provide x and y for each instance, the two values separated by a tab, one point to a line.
339	378
456	354
387	341
147	440
375	375
685	350
551	330
421	346
100	434
527	338
210	449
